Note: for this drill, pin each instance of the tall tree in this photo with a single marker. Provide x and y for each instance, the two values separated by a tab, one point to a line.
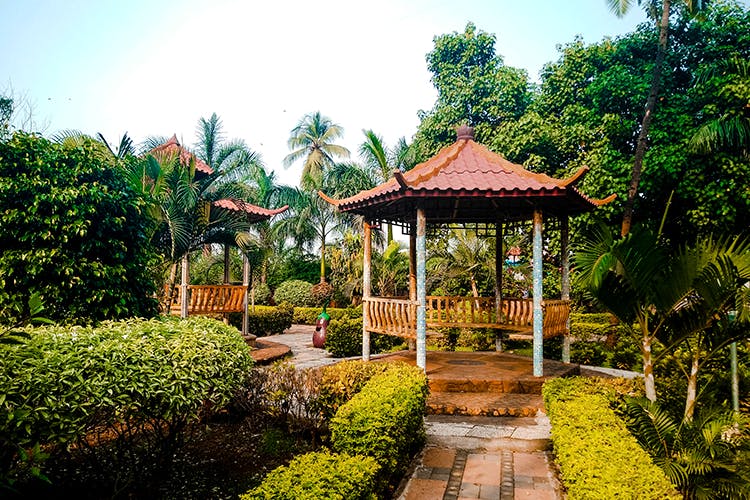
620	8
232	156
379	160
314	140
474	87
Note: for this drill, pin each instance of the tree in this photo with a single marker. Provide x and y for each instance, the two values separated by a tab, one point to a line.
474	87
73	231
620	8
313	139
380	161
227	156
465	256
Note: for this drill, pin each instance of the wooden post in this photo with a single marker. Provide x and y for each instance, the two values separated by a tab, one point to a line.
421	290
246	284
565	279
226	276
366	285
412	273
498	283
184	281
537	301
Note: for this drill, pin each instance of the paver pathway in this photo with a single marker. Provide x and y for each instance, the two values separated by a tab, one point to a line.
465	457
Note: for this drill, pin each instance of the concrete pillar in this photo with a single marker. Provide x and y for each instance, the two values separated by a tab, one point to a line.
412	343
537	301
184	281
366	289
499	283
421	289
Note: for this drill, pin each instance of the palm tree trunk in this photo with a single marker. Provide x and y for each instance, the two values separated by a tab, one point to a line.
692	388
322	260
648	369
169	297
642	144
390	234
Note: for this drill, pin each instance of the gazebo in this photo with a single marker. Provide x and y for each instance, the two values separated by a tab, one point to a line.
467	184
213	299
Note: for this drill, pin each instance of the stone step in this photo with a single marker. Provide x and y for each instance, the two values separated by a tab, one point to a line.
489	433
518	385
492	404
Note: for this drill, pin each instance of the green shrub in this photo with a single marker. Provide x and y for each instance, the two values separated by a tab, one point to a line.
322	293
296	292
262	294
600	318
385	419
319	475
131	378
340	382
344	339
73	231
598	457
308	315
266	320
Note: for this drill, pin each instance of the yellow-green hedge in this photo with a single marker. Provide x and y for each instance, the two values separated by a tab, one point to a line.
597	455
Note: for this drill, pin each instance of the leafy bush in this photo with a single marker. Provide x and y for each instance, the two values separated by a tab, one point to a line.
597	455
593	318
73	231
344	339
385	419
283	396
308	315
320	475
262	294
266	320
340	382
120	380
296	292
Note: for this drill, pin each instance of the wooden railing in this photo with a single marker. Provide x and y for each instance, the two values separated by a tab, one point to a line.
391	316
397	316
210	299
479	312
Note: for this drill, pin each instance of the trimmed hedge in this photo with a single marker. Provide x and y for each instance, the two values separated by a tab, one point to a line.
598	318
340	382
66	382
384	420
266	320
597	455
308	315
317	475
344	339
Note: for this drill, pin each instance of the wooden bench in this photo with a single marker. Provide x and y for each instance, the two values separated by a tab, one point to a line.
518	317
210	299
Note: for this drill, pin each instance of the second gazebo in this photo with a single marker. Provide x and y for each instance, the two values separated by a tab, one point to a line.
464	184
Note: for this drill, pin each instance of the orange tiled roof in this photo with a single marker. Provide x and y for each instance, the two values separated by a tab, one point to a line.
172	148
467	170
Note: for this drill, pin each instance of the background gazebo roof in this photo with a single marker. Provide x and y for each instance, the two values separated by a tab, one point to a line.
254	212
468	183
173	148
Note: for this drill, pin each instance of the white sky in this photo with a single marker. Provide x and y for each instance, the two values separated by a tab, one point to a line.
154	67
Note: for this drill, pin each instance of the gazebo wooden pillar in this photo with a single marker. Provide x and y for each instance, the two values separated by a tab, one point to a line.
464	184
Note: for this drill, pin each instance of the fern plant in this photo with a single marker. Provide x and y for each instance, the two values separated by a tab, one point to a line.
707	457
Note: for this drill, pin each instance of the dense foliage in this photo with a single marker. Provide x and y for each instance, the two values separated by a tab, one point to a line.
344	339
266	320
130	384
73	232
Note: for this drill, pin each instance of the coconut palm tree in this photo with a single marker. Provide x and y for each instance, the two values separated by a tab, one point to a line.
314	140
227	156
661	17
379	160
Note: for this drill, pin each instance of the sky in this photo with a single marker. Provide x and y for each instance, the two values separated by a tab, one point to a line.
155	67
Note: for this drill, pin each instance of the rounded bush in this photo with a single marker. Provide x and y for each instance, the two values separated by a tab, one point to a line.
262	294
296	292
322	293
344	339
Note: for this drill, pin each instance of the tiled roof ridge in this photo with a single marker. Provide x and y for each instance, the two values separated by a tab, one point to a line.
513	168
424	173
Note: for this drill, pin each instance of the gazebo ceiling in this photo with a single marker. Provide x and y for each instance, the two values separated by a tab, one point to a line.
468	183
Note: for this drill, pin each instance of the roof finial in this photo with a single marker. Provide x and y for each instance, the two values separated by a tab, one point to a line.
465	132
